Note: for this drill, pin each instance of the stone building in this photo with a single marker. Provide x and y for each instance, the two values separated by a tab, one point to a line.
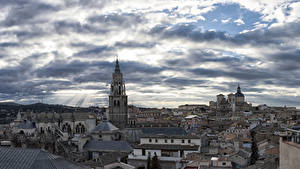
234	102
290	149
105	131
170	150
118	108
72	123
239	103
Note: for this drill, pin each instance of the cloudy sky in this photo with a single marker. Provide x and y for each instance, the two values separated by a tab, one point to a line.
171	52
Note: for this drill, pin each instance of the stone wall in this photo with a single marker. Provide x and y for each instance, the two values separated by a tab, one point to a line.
289	155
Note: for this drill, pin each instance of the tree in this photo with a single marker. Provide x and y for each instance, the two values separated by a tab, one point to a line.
155	162
254	155
149	161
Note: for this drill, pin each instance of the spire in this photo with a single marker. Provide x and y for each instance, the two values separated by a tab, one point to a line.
239	92
238	88
117	66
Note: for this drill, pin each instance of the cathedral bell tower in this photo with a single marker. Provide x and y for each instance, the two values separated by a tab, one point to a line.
118	109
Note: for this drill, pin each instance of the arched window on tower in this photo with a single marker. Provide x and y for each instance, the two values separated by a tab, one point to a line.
115	103
77	129
118	103
82	129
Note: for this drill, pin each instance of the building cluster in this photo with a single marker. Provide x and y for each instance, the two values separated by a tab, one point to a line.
228	133
234	103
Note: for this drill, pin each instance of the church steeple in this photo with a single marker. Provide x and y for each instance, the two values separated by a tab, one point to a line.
239	92
117	66
118	108
238	89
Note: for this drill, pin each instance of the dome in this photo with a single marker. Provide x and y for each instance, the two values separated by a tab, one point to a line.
239	92
105	126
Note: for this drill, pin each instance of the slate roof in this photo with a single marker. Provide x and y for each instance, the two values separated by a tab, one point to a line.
244	153
50	116
163	131
105	126
107	146
26	125
17	158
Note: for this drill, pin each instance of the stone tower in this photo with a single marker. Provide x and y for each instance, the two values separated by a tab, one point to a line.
118	109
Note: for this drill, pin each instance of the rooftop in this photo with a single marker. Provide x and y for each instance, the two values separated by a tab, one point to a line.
167	147
163	130
16	158
105	126
107	146
26	125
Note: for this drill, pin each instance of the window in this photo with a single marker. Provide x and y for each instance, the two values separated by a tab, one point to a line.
166	141
150	140
189	141
223	163
182	141
172	141
156	141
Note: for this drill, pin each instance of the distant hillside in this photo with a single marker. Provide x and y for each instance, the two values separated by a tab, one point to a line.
9	103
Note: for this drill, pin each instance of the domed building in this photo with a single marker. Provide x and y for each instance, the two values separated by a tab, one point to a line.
239	96
239	104
234	103
106	131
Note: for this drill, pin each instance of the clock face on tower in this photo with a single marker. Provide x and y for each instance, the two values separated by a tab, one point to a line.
118	109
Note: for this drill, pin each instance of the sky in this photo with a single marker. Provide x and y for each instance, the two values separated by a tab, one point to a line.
171	52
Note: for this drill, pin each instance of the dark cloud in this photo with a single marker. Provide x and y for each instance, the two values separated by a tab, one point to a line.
95	51
66	27
133	67
93	77
143	79
272	100
87	4
8	44
97	71
25	13
181	82
242	74
15	73
191	31
33	88
199	57
61	68
286	60
125	20
133	44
